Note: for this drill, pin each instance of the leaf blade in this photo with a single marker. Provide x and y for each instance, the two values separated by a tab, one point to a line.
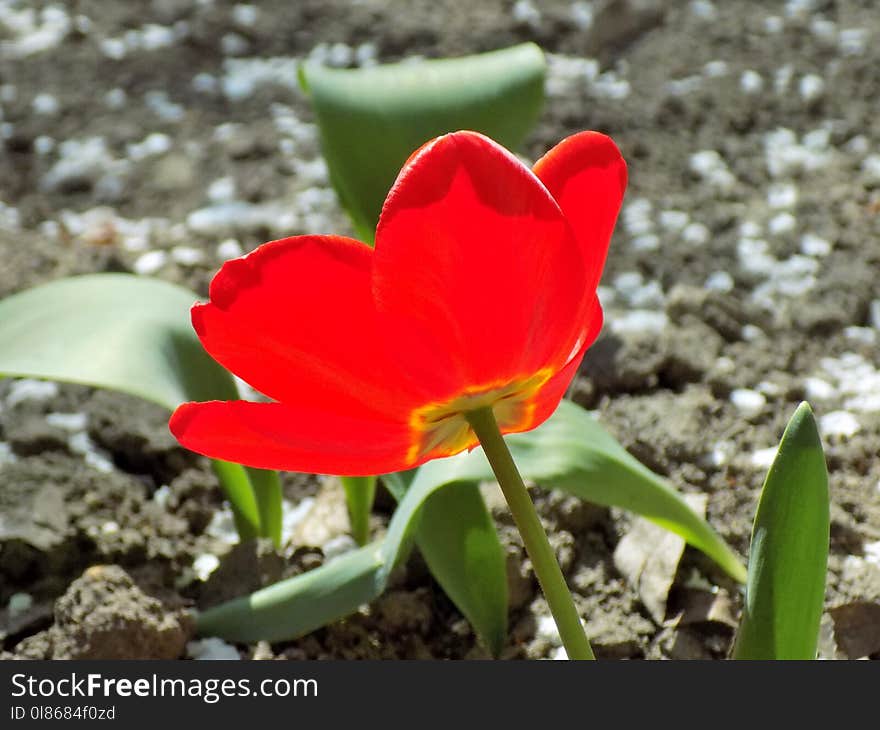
126	333
457	538
372	119
788	556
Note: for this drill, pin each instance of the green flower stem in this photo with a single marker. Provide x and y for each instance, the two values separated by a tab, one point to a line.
359	495
535	538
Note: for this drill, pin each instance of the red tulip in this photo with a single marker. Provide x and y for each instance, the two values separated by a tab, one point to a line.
481	291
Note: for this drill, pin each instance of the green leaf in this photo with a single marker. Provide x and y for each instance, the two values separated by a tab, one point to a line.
457	538
359	494
372	119
131	334
788	557
570	451
298	605
115	331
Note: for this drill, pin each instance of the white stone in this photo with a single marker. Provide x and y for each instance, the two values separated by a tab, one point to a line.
763	458
853	41
153	144
751	82
782	223
204	565
525	12
187	255
862	335
43	145
824	29
871	167
159	103
115	98
839	423
205	83
162	495
720	281
874	313
748	402
19	603
7	456
673	220
712	168
813	245
811	87
336	546
704	10
647	242
245	15
773	24
639	320
68	421
818	389
872	552
752	333
547	630
581	13
293	515
233	44
150	262
695	234
222	526
211	648
782	195
27	389
222	189
229	249
716	69
45	104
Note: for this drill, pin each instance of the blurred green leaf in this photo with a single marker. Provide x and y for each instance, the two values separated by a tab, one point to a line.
131	334
788	557
570	451
116	331
372	119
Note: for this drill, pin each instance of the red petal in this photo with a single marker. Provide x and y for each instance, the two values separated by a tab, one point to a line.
293	438
587	176
296	320
476	272
547	400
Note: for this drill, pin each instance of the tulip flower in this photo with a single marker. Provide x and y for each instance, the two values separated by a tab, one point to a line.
467	321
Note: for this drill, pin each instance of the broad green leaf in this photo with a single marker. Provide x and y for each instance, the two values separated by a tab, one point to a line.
457	539
116	331
788	557
372	119
306	602
570	451
298	605
131	334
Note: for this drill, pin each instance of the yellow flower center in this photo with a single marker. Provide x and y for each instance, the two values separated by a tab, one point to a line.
443	430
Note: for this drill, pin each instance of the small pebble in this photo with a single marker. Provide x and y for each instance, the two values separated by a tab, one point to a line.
204	565
748	402
211	648
839	423
150	262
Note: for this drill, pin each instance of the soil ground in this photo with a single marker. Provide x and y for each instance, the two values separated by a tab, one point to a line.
147	136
